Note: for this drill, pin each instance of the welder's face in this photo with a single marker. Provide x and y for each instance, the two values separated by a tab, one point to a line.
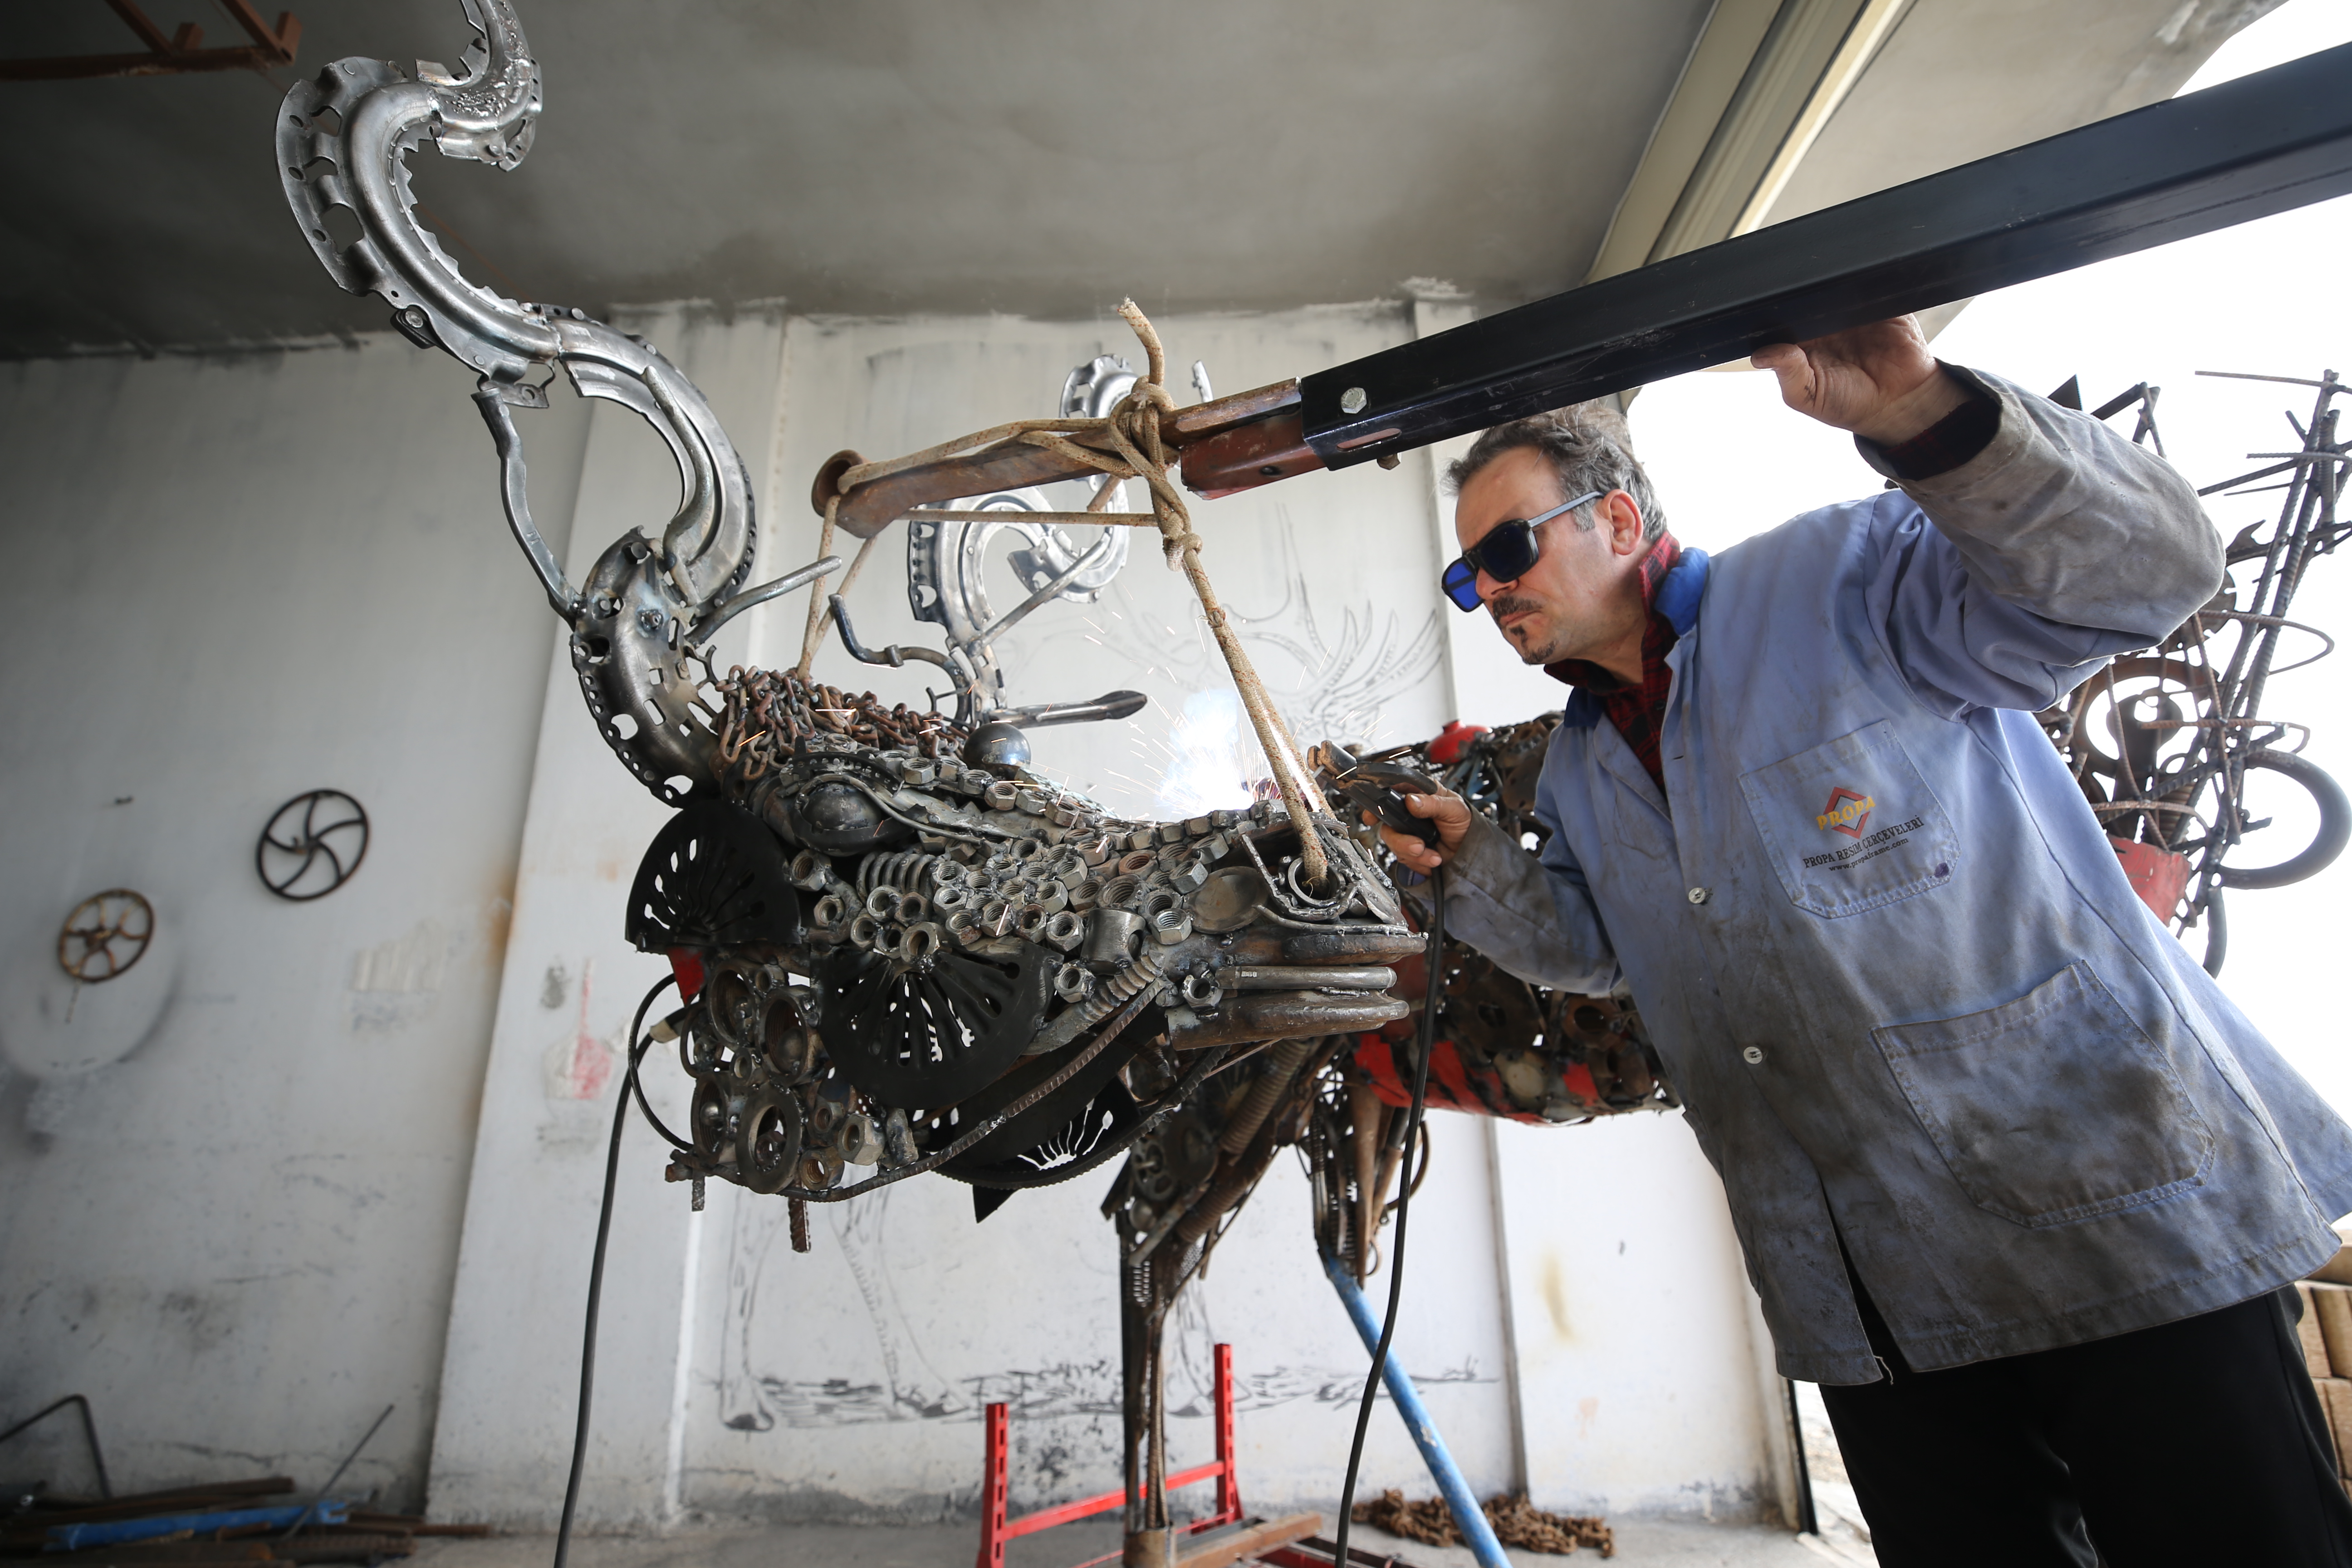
1565	605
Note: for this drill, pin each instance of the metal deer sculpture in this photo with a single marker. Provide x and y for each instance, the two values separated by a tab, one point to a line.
901	950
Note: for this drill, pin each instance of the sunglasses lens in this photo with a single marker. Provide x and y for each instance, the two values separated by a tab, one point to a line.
1507	550
1462	585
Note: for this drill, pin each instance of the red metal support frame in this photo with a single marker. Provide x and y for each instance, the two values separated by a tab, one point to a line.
1229	1483
993	1535
997	1530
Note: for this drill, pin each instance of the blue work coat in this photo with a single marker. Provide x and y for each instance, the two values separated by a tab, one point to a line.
1885	948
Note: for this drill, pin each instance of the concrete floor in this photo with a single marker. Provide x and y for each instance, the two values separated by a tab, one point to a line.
1640	1544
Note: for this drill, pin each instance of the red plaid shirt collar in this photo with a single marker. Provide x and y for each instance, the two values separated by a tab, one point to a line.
1638	708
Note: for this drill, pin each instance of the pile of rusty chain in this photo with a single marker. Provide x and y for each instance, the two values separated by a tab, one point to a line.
1516	1523
762	713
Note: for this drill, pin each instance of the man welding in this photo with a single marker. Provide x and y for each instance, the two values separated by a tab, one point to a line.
2018	1185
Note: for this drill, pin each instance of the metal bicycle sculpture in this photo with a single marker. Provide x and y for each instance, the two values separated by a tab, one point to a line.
2165	743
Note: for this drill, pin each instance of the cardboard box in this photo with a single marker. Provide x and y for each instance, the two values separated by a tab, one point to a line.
2315	1343
2335	1304
2336	1396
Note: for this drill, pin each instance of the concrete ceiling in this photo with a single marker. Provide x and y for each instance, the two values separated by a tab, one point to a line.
1047	157
1044	157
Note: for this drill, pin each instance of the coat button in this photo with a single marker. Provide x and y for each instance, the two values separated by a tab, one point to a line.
1752	1055
1698	895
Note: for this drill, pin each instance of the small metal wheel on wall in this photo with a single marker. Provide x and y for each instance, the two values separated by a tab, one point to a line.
312	844
105	935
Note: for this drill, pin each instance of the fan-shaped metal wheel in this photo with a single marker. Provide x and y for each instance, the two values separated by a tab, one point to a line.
1059	1148
1063	1134
713	878
933	1033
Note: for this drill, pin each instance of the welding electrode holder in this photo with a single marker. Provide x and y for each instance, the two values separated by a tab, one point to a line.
1380	787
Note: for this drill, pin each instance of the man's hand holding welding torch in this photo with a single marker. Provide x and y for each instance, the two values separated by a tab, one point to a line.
1452	819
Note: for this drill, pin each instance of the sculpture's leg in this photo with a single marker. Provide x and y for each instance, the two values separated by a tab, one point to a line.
1142	1318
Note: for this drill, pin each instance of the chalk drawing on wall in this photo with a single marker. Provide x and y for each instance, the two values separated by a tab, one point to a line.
898	1375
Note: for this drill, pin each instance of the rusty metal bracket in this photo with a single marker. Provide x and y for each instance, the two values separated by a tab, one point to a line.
171	54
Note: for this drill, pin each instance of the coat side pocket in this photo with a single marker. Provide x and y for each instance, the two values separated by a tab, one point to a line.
2054	1108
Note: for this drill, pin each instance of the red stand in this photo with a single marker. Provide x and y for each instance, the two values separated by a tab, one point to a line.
995	1530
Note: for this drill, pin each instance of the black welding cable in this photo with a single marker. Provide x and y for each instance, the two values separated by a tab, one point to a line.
637	1044
1432	969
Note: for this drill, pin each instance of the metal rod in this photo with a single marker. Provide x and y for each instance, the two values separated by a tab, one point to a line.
313	1505
764	593
88	1429
2264	143
1477	1533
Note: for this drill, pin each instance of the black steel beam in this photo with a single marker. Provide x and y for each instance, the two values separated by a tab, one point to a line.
2260	144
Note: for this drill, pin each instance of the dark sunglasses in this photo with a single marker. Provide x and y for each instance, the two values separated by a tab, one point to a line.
1506	554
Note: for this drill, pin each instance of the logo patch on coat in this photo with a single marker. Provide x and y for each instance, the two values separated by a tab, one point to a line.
1846	813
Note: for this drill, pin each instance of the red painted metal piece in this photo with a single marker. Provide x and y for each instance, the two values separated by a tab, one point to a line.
995	1528
686	965
993	1534
2158	876
1229	1485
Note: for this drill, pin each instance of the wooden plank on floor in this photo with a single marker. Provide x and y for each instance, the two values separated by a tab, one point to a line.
1263	1535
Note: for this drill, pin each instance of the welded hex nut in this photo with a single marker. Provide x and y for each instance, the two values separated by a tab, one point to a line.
831	911
1074	983
1121	891
1087	894
1171	832
1036	801
882	903
1050	896
1138	862
996	917
910	907
950	898
1189	876
1066	930
865	931
811	871
1141	839
1196	825
1171	926
1031	923
1003	796
921	940
917	774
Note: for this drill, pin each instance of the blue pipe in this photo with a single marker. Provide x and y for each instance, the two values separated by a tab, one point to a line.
123	1532
1468	1516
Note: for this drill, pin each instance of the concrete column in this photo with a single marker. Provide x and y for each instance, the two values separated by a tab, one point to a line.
571	983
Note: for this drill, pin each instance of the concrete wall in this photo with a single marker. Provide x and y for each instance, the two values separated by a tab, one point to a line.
1575	1310
233	1176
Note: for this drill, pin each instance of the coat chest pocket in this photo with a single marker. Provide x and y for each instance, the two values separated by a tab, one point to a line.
1851	825
2054	1108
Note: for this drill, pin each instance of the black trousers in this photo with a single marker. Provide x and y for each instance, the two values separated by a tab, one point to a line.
2196	1442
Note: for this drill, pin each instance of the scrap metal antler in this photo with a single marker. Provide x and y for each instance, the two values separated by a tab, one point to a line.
343	140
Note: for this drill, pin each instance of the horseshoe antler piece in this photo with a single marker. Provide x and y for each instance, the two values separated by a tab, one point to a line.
343	141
